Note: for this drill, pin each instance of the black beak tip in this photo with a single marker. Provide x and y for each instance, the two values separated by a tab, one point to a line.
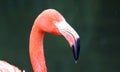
76	49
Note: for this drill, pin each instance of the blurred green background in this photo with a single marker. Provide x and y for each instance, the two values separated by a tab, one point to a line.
96	21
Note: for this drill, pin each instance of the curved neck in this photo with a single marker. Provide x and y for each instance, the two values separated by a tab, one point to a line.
36	50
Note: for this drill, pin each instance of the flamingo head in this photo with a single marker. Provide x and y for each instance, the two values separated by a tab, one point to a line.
53	22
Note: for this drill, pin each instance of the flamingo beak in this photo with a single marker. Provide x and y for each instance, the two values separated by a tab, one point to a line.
71	36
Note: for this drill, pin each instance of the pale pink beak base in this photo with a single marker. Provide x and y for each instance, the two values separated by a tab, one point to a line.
71	36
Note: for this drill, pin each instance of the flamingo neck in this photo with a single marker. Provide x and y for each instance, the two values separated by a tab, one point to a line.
36	50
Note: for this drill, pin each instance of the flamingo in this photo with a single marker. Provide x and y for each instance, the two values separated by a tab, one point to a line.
51	21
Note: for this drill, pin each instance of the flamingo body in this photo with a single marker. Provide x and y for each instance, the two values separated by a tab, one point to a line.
53	22
6	67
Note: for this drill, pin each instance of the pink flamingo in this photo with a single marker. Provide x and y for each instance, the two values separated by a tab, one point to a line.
50	21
